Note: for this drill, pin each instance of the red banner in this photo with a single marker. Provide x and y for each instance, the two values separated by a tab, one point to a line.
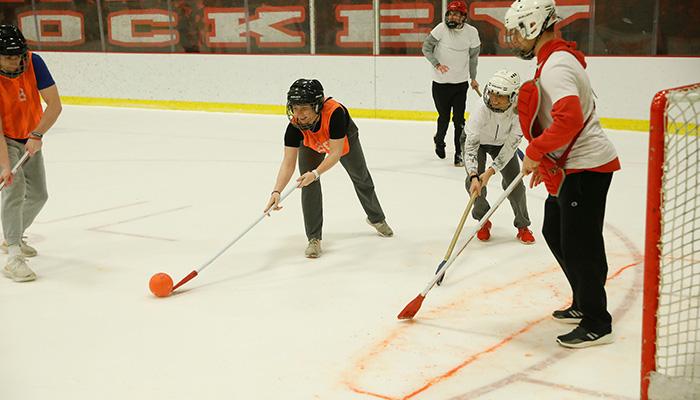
264	27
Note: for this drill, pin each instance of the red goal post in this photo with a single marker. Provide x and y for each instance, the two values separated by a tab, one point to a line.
671	315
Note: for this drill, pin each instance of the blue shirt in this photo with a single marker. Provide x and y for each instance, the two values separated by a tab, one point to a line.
41	72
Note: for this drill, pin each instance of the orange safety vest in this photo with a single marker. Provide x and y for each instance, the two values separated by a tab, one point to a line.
320	141
20	103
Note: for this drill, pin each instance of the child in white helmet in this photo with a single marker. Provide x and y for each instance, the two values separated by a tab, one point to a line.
493	129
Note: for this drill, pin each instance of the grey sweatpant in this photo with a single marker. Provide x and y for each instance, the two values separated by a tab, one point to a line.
356	167
509	172
25	197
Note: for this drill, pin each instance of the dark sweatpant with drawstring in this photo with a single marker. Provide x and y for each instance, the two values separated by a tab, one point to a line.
356	167
573	230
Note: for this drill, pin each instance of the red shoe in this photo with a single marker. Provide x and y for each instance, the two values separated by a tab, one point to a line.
484	233
525	236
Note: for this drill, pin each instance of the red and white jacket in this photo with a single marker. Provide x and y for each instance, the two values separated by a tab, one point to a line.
566	107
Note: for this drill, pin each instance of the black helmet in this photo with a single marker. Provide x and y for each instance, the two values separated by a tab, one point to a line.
304	91
12	43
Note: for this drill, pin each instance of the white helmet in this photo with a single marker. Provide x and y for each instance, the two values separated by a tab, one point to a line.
504	83
530	18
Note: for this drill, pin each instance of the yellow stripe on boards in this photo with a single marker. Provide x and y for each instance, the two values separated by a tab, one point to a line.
175	105
610	123
625	124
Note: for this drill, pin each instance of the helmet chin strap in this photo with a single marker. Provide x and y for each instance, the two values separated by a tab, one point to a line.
456	25
528	54
311	124
496	109
308	126
303	127
20	69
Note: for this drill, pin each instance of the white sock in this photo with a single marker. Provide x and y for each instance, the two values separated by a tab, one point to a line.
14	250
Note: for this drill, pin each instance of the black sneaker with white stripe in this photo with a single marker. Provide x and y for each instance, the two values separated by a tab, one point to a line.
581	337
568	316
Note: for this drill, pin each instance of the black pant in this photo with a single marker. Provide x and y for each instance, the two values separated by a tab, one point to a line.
356	167
450	97
573	229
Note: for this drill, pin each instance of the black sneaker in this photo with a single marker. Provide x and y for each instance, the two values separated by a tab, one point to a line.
458	160
581	337
568	316
439	148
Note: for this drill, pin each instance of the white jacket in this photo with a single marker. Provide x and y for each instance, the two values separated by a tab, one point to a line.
491	128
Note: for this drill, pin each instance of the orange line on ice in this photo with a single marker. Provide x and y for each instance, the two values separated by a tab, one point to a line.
619	271
379	396
473	358
384	344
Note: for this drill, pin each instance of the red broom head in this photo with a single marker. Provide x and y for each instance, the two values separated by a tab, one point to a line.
185	279
411	308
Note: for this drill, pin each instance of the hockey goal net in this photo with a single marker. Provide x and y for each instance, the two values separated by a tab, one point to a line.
671	320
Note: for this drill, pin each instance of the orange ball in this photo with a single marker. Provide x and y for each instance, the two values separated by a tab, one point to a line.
161	284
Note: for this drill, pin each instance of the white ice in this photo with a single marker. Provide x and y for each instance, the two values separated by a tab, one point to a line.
135	192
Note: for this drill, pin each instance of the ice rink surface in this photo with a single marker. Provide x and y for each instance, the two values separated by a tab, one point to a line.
134	192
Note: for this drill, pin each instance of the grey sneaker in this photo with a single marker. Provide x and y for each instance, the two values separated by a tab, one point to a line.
17	270
383	229
313	249
27	250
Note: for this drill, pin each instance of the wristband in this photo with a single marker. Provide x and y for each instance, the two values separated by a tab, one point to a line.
474	176
275	191
36	135
316	174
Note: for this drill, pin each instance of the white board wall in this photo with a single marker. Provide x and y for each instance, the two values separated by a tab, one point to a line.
624	85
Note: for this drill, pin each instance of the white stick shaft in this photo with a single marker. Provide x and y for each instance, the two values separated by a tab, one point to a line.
17	166
473	232
284	194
